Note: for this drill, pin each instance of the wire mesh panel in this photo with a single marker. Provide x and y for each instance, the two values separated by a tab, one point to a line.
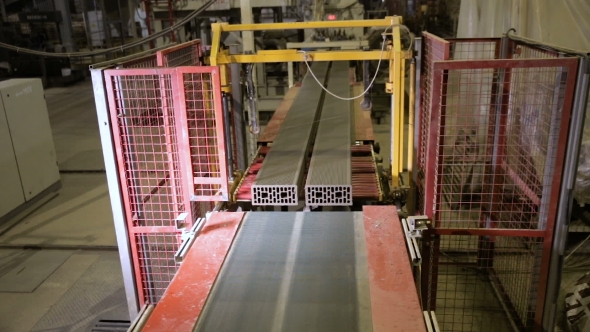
185	54
140	103
438	49
490	288
142	112
148	61
203	133
435	49
513	140
496	137
161	118
474	48
156	262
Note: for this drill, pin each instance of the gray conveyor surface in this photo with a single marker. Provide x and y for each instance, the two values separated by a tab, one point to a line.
293	271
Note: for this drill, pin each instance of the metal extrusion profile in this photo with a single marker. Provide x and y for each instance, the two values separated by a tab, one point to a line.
329	180
281	173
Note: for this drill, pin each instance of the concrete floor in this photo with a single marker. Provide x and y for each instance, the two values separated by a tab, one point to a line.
65	290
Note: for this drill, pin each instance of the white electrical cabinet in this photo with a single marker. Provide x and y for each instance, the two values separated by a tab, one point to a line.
28	162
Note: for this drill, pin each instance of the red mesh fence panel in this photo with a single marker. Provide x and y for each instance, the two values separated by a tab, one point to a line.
156	262
141	109
502	164
438	49
148	61
153	135
204	150
474	48
488	288
497	133
435	49
185	54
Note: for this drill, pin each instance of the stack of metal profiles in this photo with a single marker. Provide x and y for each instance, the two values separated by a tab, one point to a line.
280	177
329	177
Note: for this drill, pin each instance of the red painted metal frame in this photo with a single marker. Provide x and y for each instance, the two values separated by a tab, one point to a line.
133	229
165	57
183	302
434	49
216	159
434	160
394	299
159	97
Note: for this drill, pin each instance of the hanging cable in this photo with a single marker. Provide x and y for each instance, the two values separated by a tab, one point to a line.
136	43
305	59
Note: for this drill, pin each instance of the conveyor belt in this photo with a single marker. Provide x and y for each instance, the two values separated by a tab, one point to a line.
281	174
329	176
293	272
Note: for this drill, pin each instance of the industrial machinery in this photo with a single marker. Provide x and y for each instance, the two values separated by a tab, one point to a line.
27	154
225	226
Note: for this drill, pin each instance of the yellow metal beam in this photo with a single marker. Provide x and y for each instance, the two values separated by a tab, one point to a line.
396	125
215	42
385	22
294	56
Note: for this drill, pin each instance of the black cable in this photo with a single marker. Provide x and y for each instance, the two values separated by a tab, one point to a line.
136	43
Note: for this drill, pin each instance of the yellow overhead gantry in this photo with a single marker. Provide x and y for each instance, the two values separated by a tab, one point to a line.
392	53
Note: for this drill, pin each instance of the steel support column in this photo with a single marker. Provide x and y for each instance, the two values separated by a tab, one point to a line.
65	26
566	201
112	175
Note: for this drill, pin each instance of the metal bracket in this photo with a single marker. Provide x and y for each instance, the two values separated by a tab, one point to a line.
389	87
412	243
180	221
142	318
187	240
431	321
417	224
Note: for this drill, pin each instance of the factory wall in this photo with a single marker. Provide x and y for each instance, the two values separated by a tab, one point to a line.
560	22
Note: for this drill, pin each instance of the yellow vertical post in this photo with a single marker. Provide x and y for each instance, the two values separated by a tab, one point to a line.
402	102
224	75
411	203
394	74
215	43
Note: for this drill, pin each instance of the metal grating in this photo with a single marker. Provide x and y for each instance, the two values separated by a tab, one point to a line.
278	181
185	54
329	177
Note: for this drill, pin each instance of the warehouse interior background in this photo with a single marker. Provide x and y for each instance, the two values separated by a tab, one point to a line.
60	267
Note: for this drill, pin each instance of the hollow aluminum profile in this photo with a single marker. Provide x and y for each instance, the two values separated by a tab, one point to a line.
329	180
281	174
